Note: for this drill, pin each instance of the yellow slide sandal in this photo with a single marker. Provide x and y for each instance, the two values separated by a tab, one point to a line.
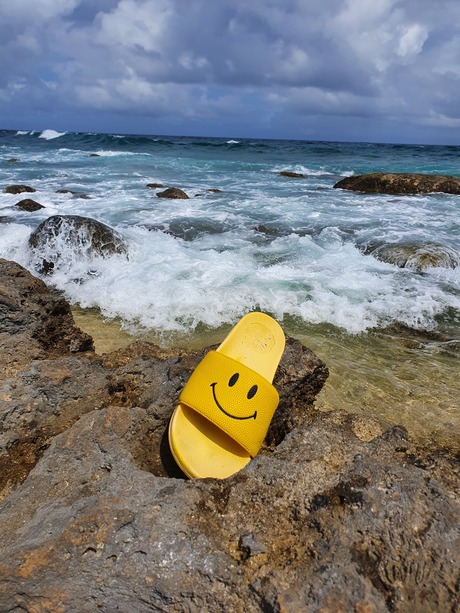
226	407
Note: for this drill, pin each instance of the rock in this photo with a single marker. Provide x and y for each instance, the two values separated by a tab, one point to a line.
293	175
417	256
326	522
12	160
335	514
34	324
81	195
29	205
18	189
400	183
267	230
173	192
189	230
65	237
154	185
214	190
94	155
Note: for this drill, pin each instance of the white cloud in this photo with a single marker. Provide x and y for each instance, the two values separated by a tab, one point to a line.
135	24
384	58
412	41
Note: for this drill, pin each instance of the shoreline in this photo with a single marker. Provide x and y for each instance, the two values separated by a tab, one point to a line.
396	377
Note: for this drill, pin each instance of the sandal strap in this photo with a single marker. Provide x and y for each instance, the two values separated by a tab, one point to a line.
235	398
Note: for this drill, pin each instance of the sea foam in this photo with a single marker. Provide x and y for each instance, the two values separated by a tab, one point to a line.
296	249
51	134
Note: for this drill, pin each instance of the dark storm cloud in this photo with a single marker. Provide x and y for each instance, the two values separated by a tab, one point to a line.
285	62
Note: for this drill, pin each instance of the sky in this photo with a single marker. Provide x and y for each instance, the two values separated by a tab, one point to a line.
340	70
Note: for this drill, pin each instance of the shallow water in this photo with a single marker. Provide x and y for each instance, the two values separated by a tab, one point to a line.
397	378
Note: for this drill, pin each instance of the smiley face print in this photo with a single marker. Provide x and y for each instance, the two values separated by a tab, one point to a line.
239	386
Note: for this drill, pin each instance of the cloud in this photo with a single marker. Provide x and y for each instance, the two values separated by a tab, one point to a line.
268	58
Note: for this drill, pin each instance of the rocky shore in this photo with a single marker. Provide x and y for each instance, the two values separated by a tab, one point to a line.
400	183
335	514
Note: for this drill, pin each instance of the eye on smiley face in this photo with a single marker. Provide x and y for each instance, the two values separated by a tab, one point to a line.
236	396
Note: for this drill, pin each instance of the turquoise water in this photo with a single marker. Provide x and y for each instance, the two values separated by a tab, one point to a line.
294	248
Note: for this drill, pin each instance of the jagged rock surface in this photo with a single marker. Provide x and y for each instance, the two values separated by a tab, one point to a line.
333	515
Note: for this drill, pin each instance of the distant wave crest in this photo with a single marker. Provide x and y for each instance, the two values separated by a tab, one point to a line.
50	134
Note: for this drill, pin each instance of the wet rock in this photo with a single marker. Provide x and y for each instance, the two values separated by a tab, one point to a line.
154	185
64	237
400	183
417	256
81	195
173	192
335	514
94	155
292	175
29	205
267	230
187	230
34	324
214	190
12	160
18	189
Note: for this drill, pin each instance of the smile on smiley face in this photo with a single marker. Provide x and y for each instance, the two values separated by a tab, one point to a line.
232	381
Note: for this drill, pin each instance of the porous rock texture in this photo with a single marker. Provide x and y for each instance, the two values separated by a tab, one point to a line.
400	183
417	256
335	514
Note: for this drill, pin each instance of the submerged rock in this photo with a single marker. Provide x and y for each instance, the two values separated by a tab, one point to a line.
400	183
173	192
418	256
154	185
29	205
18	189
81	195
292	175
70	236
335	514
268	230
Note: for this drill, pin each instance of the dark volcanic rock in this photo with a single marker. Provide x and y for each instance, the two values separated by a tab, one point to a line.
34	324
154	185
333	515
173	192
18	189
418	256
292	175
29	205
400	183
72	236
12	160
81	195
267	230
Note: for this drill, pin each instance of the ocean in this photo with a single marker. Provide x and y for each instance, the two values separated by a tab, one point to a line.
248	238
